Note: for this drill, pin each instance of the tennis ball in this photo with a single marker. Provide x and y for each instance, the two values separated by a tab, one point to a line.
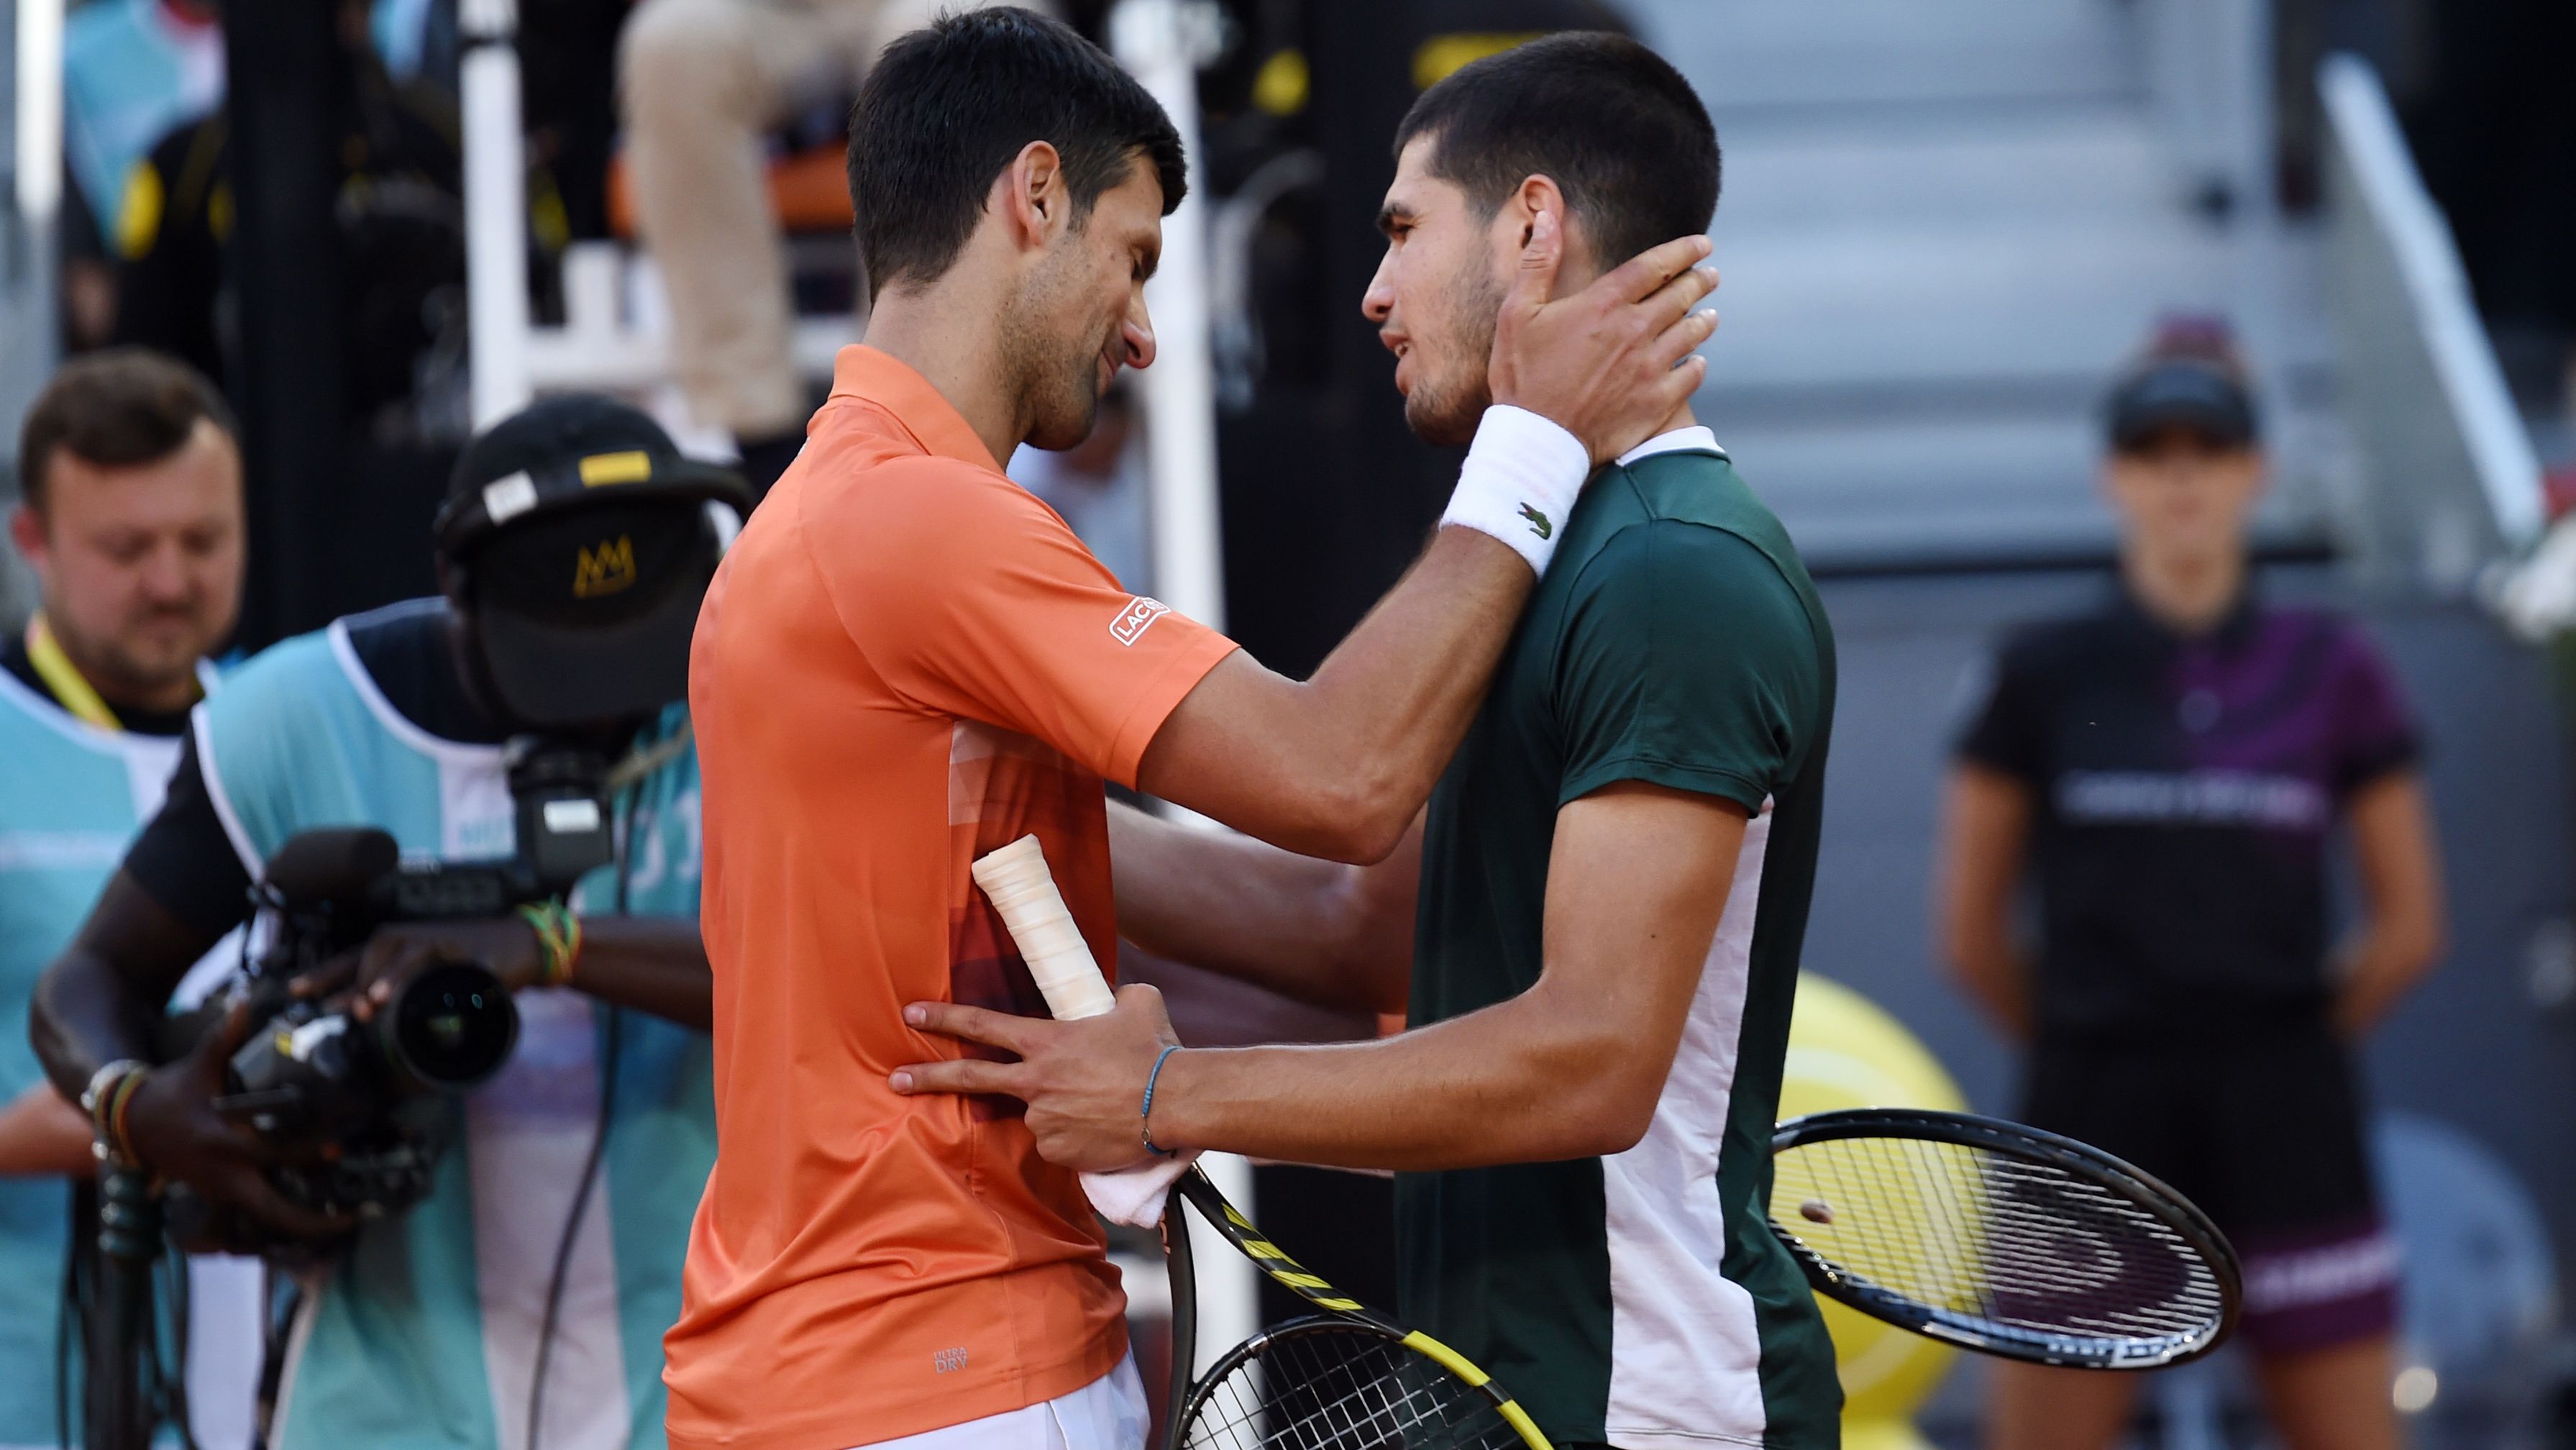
1846	1052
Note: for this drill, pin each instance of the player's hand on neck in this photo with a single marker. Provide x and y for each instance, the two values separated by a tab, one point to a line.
1569	350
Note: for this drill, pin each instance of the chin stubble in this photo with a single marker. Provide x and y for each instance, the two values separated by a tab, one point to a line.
1450	408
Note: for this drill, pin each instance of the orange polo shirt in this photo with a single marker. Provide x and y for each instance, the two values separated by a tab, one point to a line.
905	661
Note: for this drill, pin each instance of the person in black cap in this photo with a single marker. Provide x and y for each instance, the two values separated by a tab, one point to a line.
2167	771
529	1288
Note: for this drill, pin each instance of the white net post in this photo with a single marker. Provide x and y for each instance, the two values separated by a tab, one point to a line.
1163	43
496	210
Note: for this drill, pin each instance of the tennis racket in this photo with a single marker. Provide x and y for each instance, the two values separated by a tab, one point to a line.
1345	1378
2000	1238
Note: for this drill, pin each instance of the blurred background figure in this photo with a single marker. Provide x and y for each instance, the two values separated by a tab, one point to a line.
133	72
699	82
399	216
2167	771
132	521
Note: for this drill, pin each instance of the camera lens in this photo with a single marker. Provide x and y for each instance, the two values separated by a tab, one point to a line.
453	1027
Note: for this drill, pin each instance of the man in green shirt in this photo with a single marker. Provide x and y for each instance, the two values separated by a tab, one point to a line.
1605	898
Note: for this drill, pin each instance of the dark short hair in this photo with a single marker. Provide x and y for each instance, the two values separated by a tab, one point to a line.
1608	120
946	109
122	407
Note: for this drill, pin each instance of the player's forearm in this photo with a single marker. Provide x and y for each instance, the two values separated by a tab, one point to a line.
1336	766
1308	929
1392	702
1526	1081
652	964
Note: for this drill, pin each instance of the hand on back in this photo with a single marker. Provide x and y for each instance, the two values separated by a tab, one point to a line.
1612	362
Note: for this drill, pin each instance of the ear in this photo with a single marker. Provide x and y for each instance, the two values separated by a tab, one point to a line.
28	532
1035	201
1576	264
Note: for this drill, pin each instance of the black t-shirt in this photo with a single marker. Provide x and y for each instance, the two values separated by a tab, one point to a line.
2183	793
184	860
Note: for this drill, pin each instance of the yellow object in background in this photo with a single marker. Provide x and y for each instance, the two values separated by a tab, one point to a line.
1282	84
1845	1052
1434	59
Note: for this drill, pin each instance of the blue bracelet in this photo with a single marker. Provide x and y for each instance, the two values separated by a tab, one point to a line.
1145	1115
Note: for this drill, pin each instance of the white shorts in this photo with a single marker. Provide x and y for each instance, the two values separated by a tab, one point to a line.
1106	1414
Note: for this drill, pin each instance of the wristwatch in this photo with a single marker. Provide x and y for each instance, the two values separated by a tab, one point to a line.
110	1089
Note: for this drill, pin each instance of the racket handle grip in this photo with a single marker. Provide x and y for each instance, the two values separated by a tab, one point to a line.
1021	888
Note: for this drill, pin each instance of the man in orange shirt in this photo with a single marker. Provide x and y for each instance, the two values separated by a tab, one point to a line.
907	661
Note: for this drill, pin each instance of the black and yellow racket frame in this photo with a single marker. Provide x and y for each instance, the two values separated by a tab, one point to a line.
1338	1311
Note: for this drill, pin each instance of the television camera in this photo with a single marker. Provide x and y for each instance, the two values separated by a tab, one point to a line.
358	1108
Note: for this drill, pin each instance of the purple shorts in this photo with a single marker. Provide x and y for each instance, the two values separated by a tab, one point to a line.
2264	1132
2316	1288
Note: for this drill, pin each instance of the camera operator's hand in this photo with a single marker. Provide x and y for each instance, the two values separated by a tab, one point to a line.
372	975
174	1129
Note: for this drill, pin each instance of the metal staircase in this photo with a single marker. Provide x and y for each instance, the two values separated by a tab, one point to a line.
1944	225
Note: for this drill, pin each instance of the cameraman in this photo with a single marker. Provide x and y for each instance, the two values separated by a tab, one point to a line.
529	1288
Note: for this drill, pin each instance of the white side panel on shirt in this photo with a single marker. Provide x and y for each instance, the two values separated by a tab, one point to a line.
527	1137
227	1339
1685	1354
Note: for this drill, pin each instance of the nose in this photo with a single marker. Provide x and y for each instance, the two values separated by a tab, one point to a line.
165	575
1377	304
1138	335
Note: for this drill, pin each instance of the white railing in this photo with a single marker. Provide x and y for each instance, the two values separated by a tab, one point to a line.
1163	43
2452	481
31	120
496	210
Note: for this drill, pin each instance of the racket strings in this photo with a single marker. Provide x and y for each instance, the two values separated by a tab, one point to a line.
1343	1389
1994	1237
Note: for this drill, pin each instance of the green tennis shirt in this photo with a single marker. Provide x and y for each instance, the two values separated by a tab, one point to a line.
1638	1299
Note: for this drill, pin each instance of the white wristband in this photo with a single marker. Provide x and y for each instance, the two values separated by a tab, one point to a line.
1520	481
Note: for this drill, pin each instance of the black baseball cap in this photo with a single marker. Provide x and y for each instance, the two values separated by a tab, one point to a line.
2189	377
566	451
581	544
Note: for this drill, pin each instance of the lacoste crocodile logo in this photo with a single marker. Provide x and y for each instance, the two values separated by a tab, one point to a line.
1538	521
